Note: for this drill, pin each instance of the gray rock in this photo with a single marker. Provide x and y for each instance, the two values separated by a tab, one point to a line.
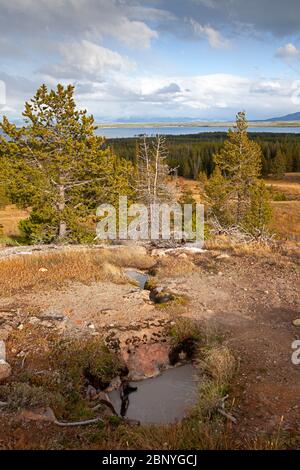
2	350
5	370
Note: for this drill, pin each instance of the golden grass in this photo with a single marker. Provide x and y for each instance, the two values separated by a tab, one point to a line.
174	266
287	219
289	185
10	217
53	270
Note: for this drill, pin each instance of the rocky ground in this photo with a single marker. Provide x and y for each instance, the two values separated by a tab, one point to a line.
250	299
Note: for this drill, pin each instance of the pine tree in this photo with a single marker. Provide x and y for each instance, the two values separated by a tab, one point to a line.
59	167
217	190
239	162
259	214
278	166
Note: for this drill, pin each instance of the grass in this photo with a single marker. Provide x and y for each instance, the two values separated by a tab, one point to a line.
53	270
10	217
56	376
287	219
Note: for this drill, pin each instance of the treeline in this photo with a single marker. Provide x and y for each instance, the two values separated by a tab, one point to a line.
193	153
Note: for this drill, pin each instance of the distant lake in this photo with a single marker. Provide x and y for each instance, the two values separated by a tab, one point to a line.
123	132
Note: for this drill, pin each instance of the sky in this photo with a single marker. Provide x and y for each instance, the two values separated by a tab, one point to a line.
154	59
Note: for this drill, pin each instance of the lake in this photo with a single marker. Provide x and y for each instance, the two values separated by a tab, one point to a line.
124	132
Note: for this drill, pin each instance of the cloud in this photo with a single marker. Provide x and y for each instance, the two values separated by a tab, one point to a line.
169	89
82	60
269	87
21	19
200	96
213	36
287	52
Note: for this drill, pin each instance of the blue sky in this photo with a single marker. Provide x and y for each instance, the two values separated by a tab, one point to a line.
151	59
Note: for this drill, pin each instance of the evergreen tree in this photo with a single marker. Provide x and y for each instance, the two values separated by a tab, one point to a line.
240	163
259	213
59	167
278	166
217	190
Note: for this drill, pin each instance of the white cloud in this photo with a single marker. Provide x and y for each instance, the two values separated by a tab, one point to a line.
200	97
85	59
289	51
77	18
213	36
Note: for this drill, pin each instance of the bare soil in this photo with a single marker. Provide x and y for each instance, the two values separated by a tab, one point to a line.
249	300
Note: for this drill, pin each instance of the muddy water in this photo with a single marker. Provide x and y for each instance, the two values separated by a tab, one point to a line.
137	276
161	400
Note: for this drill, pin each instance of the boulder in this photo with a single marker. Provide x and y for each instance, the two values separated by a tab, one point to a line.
5	370
38	414
296	322
159	295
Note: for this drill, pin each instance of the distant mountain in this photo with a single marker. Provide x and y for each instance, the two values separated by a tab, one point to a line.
288	117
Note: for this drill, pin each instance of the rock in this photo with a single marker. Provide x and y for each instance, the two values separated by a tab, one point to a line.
2	350
91	326
296	322
33	320
43	270
20	326
53	317
223	256
91	393
5	370
159	295
39	414
115	384
147	360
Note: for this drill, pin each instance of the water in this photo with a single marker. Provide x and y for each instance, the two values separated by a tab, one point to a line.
124	132
165	399
138	276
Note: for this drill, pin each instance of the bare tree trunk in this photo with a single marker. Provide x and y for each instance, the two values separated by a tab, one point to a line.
61	207
157	156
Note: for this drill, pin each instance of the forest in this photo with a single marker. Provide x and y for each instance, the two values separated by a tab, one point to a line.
193	154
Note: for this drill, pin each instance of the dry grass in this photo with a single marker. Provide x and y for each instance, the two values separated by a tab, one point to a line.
289	185
174	266
53	270
225	243
287	219
10	217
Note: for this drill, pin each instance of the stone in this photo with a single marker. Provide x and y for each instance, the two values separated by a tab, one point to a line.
296	322
43	270
5	370
223	256
39	414
146	360
115	384
2	350
160	296
20	326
